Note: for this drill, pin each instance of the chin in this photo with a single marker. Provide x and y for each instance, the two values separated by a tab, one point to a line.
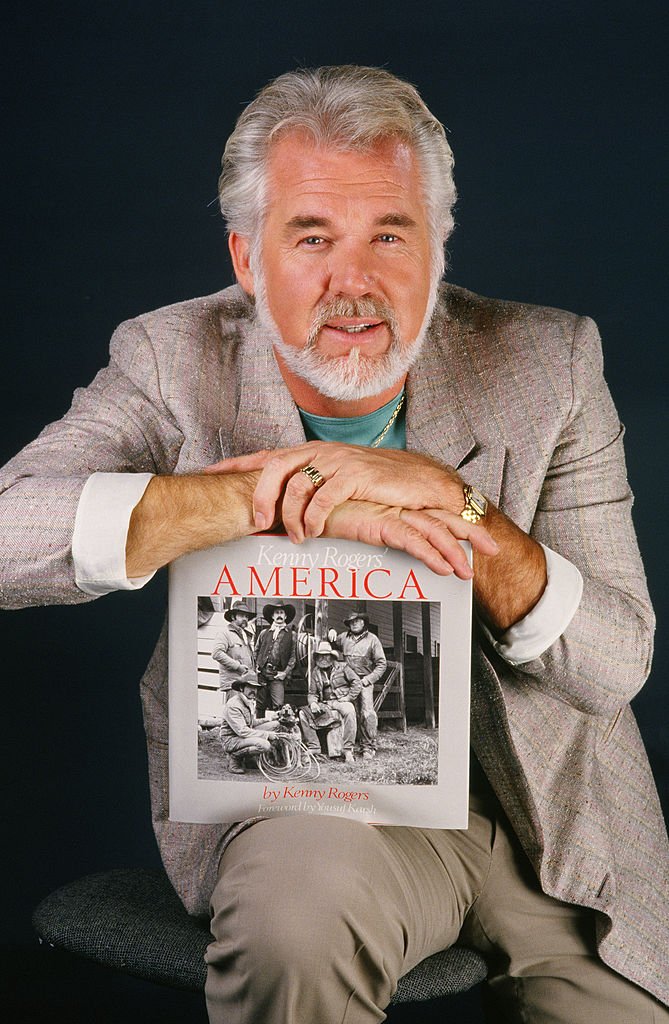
353	376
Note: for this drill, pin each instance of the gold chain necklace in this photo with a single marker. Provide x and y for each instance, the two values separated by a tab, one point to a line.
394	415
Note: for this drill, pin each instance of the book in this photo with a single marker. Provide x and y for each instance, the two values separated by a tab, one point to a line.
346	668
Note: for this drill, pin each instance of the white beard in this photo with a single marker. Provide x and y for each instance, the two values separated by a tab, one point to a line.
355	375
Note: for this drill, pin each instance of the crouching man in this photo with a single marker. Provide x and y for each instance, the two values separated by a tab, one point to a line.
242	733
332	690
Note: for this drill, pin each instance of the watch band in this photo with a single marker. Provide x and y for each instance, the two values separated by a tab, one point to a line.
476	504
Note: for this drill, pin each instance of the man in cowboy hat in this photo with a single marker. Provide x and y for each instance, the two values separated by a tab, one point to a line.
242	732
233	648
364	655
275	654
333	688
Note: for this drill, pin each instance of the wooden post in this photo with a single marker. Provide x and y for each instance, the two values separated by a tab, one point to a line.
321	620
430	721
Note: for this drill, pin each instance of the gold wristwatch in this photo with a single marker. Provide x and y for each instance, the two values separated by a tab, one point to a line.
476	505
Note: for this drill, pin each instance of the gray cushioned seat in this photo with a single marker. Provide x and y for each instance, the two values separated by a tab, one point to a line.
133	920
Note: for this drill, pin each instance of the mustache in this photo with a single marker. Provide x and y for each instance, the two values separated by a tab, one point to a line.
375	309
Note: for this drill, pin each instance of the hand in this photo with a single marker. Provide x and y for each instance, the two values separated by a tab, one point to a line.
280	675
315	706
430	535
386	476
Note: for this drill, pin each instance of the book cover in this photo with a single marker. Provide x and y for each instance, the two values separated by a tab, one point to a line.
327	677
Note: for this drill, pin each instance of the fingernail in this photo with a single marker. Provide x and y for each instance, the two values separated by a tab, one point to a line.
260	521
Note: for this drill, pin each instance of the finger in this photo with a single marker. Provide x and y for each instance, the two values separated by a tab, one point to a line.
278	471
241	463
297	495
404	537
477	535
437	532
335	491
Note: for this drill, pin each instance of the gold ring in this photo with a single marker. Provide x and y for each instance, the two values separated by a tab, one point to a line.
316	478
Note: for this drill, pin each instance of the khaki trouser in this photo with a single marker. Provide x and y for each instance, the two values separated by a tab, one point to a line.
315	919
369	721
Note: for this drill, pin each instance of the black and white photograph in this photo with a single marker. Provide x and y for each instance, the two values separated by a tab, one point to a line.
299	690
317	678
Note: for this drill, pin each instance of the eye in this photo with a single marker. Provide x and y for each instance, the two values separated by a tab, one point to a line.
388	238
313	241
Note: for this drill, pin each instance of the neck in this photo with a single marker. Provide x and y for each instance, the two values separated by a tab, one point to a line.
312	401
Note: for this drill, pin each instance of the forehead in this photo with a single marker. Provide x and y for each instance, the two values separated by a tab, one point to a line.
301	173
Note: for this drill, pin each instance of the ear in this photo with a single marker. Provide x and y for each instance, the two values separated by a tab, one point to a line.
240	252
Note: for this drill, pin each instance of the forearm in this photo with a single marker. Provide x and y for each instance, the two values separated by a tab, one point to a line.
178	514
508	585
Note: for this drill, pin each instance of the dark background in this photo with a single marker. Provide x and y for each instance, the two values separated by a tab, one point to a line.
114	122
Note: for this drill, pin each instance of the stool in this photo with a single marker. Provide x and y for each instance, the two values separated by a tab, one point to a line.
134	921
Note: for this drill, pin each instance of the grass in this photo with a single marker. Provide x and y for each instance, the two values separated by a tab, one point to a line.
402	759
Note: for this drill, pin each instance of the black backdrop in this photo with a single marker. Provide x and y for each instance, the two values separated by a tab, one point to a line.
114	120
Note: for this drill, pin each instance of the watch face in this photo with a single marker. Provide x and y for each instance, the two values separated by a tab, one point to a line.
479	502
476	501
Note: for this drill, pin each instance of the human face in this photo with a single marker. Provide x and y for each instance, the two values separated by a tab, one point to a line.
279	616
240	619
357	625
346	273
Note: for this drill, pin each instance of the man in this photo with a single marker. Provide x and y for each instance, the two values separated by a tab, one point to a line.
363	653
333	688
242	733
275	655
233	648
338	192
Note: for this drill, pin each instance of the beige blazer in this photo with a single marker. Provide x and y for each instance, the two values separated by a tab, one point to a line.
513	396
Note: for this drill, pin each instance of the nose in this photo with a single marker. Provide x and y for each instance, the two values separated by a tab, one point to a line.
351	269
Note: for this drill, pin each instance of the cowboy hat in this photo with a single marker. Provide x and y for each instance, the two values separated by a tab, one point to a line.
239	607
269	609
357	615
249	678
323	649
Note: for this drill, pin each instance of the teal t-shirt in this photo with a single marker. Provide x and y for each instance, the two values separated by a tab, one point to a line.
362	430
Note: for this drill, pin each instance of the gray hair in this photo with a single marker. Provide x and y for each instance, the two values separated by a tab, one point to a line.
349	108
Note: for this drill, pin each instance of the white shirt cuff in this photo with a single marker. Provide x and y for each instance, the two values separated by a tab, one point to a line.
541	627
101	530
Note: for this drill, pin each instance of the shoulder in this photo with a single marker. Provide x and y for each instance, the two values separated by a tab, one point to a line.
481	313
213	322
497	332
226	311
495	348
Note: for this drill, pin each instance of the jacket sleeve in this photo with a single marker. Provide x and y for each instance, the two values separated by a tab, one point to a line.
220	653
119	423
234	716
584	512
379	660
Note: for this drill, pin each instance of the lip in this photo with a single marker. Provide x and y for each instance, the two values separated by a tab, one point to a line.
342	322
360	330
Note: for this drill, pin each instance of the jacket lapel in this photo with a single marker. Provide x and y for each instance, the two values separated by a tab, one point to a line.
439	423
267	416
